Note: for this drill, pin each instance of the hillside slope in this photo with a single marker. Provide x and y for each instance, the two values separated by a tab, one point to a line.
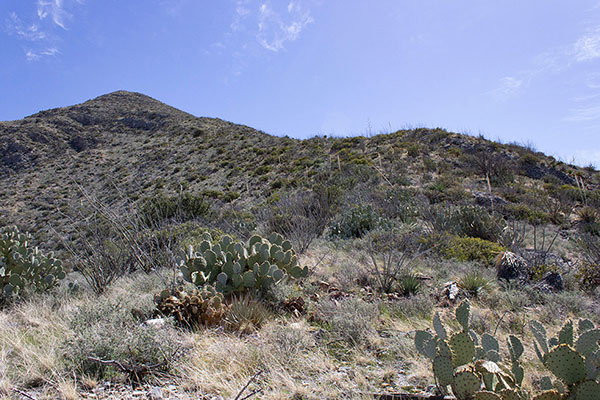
142	147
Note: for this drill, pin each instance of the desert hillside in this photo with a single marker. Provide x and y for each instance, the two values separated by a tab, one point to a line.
183	257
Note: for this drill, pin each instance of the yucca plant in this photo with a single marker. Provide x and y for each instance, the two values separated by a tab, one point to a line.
473	283
409	284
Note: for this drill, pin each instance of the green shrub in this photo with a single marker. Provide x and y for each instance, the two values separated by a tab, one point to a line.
213	194
229	196
357	221
468	249
445	188
262	170
413	150
183	207
538	271
528	160
466	220
429	165
588	276
523	212
25	267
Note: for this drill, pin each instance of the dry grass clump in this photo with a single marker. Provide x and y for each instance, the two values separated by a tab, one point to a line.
31	335
409	309
45	341
294	362
350	319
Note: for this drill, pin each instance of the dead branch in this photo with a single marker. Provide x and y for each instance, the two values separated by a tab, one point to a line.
238	397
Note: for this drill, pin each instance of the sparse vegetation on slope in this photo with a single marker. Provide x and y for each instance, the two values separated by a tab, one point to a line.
313	262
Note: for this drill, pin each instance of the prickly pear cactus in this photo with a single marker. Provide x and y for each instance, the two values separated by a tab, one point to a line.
459	361
203	307
23	266
587	390
235	266
575	361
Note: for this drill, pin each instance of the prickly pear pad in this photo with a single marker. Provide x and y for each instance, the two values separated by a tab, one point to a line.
588	390
485	395
566	364
509	394
548	395
443	370
465	384
463	348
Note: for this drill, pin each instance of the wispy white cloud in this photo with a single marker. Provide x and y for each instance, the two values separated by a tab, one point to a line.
241	13
36	55
553	61
259	26
277	27
584	98
272	24
508	87
587	47
174	8
30	32
43	28
53	9
584	114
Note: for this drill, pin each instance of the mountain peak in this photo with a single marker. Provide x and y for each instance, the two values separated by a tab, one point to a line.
124	96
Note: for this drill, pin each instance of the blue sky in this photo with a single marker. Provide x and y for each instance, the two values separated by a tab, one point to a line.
514	70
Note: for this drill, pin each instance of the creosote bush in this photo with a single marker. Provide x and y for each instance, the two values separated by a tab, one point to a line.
466	220
302	216
465	248
357	221
183	207
391	258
